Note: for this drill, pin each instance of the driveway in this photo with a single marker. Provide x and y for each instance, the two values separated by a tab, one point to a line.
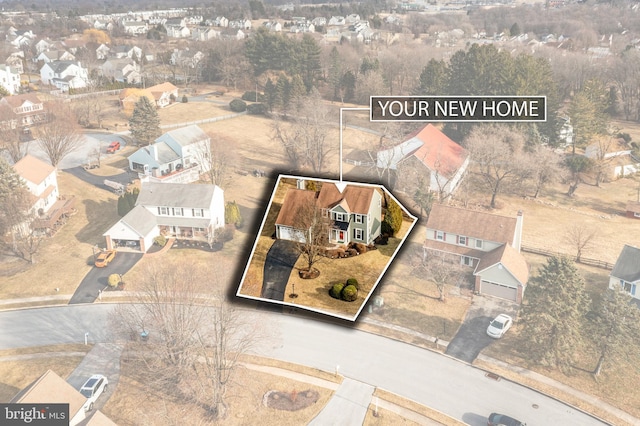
84	153
79	172
97	278
472	337
277	268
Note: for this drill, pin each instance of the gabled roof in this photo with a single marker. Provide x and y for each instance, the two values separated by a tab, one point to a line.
177	195
294	200
17	100
139	220
627	266
481	225
184	136
53	389
33	169
507	257
161	88
59	66
437	151
354	198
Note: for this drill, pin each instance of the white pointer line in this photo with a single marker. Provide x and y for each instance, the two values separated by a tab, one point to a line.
346	109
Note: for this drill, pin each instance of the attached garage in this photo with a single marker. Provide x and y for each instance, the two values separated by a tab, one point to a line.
499	290
290	234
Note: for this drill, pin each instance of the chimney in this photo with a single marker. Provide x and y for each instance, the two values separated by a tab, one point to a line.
517	235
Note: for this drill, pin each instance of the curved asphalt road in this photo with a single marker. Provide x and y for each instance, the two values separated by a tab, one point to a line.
277	268
429	378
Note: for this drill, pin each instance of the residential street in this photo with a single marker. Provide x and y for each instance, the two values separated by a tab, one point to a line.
429	378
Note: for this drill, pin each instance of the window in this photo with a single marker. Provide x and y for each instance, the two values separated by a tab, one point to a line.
358	234
636	214
325	213
178	211
358	218
163	210
340	217
629	287
197	212
479	244
439	235
462	240
466	260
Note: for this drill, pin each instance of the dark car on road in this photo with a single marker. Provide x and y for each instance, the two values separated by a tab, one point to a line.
496	419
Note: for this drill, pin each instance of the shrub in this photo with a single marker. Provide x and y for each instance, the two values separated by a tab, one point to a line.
256	109
386	228
353	282
232	214
184	99
226	233
237	105
336	291
251	96
393	216
113	280
160	240
349	293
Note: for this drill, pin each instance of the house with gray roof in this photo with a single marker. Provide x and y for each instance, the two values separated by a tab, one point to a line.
180	155
626	271
64	75
191	212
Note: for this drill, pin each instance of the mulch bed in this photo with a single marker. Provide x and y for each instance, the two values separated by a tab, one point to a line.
306	274
290	401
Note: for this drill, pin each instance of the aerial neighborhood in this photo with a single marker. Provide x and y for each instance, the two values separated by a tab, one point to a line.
201	222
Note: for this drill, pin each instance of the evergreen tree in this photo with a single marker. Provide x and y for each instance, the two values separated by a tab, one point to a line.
434	79
348	84
554	312
145	122
393	216
311	67
232	214
335	72
271	94
615	329
14	198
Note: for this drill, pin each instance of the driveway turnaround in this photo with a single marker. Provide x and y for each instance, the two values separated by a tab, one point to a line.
97	278
277	268
79	172
348	405
472	336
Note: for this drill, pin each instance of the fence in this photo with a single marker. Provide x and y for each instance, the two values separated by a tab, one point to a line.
206	120
584	260
61	94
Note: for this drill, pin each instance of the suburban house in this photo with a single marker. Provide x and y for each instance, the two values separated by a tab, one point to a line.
626	271
135	27
15	60
128	98
124	70
9	79
186	57
54	389
64	75
179	155
355	213
55	55
126	51
40	179
633	209
49	208
164	94
487	242
178	210
102	51
21	111
617	156
426	153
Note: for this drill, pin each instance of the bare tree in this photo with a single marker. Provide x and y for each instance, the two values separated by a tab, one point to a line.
498	153
60	135
194	340
305	140
580	237
545	168
220	156
314	228
10	140
438	268
602	157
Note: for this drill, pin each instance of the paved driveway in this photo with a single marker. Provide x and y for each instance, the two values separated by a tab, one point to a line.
96	279
277	268
472	337
79	172
84	153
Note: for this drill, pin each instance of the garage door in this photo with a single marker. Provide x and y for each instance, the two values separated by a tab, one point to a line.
498	290
288	233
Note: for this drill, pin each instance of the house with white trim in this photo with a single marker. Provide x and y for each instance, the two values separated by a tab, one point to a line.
9	79
184	211
626	271
487	242
21	111
41	181
64	75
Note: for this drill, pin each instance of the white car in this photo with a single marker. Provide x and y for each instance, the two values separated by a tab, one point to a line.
499	326
92	389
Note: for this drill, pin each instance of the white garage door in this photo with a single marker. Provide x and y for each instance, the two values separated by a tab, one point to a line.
498	290
288	233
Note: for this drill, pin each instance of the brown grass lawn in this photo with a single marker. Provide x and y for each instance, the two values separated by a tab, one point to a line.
63	260
15	375
136	401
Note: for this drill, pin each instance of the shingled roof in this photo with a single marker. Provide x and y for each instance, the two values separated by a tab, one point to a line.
476	224
509	258
627	266
354	198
